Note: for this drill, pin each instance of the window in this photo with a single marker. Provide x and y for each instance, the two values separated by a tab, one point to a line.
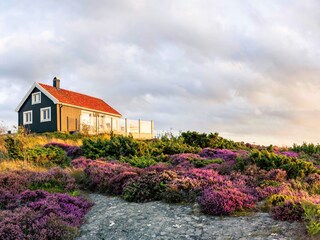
45	114
87	118
36	98
27	117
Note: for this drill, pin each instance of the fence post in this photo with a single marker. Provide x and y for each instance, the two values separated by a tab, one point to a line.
152	128
139	128
111	125
126	126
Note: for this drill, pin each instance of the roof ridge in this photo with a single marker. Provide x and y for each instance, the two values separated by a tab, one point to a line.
71	91
79	99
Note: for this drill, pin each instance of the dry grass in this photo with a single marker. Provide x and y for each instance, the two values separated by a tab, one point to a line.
33	141
13	165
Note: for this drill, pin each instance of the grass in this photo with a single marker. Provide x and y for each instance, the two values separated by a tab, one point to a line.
14	165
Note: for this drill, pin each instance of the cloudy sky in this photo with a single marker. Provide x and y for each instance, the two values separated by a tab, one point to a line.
249	70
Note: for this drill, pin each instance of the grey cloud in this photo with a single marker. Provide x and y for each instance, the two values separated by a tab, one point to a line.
244	69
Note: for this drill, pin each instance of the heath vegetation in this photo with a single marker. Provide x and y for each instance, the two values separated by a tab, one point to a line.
44	178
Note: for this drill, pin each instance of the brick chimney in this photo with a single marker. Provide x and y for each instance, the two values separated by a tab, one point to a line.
56	83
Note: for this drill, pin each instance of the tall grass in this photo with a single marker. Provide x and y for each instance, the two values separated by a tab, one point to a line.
13	165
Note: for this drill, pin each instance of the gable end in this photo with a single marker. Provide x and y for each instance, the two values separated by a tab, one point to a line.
42	90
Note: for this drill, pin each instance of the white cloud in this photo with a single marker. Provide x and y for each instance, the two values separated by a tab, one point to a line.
247	69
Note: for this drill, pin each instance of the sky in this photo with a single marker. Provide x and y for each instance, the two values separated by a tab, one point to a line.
249	70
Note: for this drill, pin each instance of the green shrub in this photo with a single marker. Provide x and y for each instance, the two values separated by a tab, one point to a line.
276	200
293	166
272	183
95	148
47	156
198	163
123	146
14	147
140	162
308	148
117	146
196	139
170	145
312	216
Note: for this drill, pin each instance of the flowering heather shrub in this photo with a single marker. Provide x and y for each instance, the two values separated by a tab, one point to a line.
183	189
54	180
183	160
313	178
108	176
276	175
224	201
15	181
191	160
159	167
207	177
224	154
41	215
81	162
148	187
313	181
117	182
72	151
227	167
266	191
287	211
289	154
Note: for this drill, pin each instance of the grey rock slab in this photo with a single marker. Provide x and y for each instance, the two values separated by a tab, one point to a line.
113	218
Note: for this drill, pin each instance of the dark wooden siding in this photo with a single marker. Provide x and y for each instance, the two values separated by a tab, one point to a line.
37	126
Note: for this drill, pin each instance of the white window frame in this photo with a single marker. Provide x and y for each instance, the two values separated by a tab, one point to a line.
87	121
25	118
42	119
34	98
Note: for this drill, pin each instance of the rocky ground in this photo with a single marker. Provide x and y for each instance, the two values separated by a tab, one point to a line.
114	218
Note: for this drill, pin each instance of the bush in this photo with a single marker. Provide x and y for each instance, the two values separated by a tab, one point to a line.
293	166
148	187
71	151
225	154
54	180
306	148
63	136
278	199
47	156
16	181
276	175
41	215
14	147
109	177
182	189
190	160
224	201
140	162
287	211
196	139
169	144
116	147
312	216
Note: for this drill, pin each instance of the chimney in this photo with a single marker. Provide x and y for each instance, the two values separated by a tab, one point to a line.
56	83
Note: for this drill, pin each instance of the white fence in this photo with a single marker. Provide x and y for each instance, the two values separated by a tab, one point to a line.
136	128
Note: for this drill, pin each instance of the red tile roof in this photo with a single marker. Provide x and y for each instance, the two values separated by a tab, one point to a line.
79	100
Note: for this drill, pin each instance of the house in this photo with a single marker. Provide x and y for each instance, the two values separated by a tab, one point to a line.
50	108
